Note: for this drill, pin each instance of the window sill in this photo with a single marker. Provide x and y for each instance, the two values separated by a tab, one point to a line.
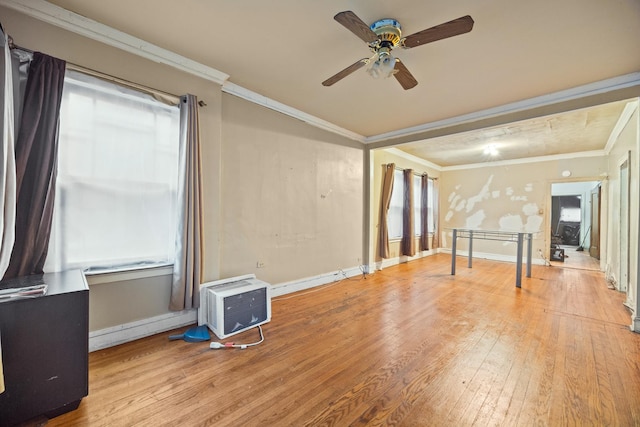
97	278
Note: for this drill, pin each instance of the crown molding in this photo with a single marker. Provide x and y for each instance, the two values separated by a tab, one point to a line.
568	156
624	118
411	157
596	88
70	21
60	17
256	98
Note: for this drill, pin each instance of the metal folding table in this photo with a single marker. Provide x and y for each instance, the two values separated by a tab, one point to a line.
503	236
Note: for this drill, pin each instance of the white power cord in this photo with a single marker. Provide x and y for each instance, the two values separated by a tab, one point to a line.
547	263
218	345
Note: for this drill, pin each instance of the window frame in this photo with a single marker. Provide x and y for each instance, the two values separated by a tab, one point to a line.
137	266
398	186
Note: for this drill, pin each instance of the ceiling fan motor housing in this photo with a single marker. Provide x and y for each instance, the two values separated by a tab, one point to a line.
389	33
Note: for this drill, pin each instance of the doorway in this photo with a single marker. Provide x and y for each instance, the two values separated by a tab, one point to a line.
575	225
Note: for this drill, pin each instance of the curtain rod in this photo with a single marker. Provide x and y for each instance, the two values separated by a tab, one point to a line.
12	45
415	173
158	94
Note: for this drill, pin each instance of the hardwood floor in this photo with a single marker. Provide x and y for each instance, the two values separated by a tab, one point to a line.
577	259
410	345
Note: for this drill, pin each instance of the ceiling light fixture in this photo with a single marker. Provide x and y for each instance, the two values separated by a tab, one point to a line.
389	33
491	150
382	65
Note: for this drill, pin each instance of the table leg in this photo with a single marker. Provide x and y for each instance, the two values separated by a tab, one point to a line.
529	249
453	252
470	248
519	261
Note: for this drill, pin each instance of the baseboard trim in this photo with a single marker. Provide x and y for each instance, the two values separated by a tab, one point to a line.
311	282
390	262
132	331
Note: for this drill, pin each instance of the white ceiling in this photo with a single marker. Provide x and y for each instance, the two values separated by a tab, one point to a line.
517	50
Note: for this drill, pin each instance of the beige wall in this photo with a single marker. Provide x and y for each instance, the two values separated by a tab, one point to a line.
514	197
626	146
379	158
288	195
292	196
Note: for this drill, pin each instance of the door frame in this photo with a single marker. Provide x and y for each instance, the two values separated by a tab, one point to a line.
595	179
624	243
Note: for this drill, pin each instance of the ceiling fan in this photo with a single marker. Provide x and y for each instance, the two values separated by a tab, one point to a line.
385	35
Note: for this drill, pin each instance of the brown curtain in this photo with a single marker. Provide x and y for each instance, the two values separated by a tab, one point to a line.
435	243
408	243
424	212
385	201
187	267
36	164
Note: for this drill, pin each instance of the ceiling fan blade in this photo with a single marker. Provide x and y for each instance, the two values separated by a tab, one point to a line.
354	24
448	29
344	73
404	77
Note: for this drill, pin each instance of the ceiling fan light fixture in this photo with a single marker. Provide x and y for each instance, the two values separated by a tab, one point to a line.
382	65
385	35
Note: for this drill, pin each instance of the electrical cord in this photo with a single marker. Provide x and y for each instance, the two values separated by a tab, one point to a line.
218	345
547	263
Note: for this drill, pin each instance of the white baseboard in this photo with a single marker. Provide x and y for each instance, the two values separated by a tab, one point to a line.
120	334
390	262
635	324
311	282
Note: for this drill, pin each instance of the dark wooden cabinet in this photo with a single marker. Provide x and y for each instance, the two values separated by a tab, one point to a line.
45	347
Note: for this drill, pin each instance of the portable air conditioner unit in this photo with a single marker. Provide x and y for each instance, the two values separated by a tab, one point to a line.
233	305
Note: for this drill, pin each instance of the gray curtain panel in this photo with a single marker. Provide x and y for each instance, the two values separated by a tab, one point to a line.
408	243
7	162
385	201
36	164
424	212
435	243
187	268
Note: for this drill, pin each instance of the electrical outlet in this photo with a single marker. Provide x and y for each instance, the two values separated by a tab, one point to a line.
260	264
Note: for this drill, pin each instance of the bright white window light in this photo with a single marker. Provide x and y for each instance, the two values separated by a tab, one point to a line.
116	192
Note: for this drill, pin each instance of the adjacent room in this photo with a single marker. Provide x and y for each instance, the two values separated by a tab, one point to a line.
310	213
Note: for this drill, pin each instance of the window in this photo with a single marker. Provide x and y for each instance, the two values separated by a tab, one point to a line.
417	205
430	204
570	214
394	218
116	190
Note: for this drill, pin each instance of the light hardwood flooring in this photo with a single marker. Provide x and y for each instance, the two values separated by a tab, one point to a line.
410	346
577	259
